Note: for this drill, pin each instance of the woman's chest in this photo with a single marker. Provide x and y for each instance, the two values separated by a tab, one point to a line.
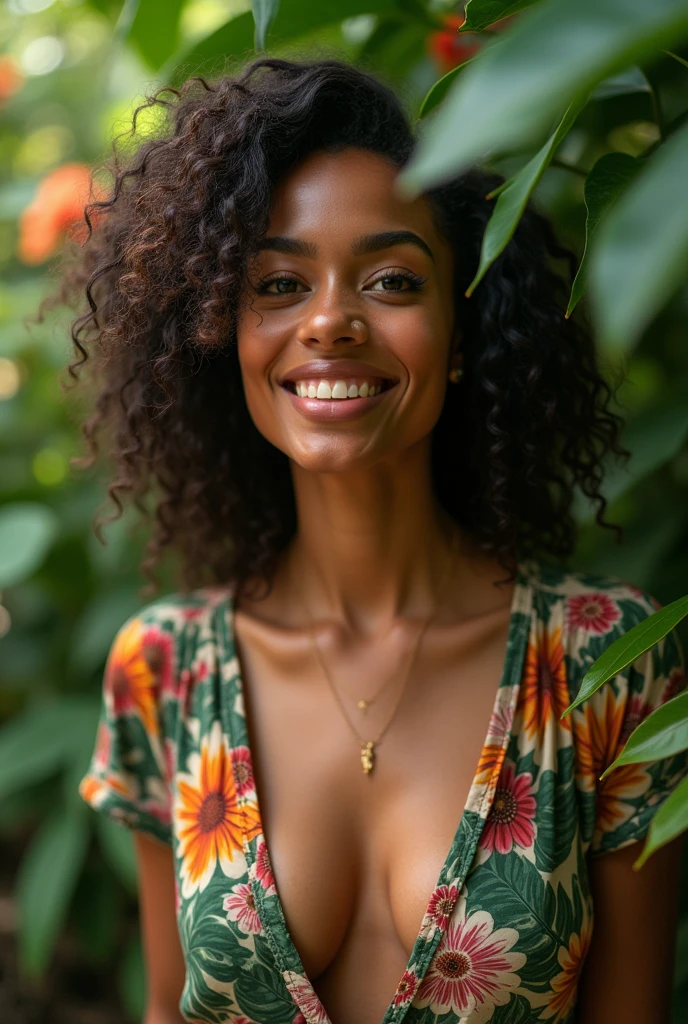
356	856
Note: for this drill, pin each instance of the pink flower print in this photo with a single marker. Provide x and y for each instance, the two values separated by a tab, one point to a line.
472	970
242	767
240	906
262	868
442	903
406	989
303	994
157	648
510	820
500	721
595	613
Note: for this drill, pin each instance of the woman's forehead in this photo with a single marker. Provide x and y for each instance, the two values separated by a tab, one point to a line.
344	191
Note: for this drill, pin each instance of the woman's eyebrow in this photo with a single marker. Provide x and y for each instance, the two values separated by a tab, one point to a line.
362	245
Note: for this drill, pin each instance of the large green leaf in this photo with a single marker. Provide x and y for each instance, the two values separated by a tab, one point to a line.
653	439
45	883
640	255
514	194
154	31
264	12
670	821
235	38
27	530
33	746
481	14
523	78
440	89
661	734
603	186
627	648
629	81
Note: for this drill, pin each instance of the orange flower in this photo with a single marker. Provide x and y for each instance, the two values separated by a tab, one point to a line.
11	77
544	693
210	817
57	207
598	743
565	984
129	678
491	757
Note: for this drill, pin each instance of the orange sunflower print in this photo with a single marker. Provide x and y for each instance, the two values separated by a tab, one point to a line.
544	691
598	743
130	680
565	984
210	817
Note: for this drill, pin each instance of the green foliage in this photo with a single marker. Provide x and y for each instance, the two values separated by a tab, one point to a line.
579	104
663	733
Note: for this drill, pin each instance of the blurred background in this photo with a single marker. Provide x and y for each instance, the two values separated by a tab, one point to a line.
71	73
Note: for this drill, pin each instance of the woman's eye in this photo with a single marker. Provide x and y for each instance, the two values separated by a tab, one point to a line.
397	283
279	286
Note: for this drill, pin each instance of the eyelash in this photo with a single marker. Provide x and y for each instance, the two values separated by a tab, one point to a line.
415	281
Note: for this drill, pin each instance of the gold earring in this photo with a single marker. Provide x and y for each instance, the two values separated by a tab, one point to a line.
455	374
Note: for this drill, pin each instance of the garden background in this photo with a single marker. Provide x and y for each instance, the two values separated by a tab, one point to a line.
71	74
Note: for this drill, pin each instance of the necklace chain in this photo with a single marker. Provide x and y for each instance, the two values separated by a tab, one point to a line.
368	746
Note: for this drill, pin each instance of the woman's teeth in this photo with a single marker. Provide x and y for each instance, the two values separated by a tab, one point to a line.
326	389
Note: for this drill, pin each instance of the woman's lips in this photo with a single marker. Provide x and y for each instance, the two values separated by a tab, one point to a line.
329	409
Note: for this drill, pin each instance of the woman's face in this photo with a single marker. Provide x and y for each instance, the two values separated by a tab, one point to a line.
341	247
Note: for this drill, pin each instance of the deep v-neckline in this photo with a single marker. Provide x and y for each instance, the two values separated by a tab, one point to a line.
461	851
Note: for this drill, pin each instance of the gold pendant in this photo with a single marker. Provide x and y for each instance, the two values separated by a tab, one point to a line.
367	757
363	705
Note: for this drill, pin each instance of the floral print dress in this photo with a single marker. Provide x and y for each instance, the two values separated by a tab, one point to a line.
510	920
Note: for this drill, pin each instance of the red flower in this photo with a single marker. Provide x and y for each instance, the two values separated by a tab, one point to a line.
262	869
595	613
442	903
243	770
510	820
448	48
406	989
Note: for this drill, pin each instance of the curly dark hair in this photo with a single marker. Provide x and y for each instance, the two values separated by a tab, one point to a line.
163	271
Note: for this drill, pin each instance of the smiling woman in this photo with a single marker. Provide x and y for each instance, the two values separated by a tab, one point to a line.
369	481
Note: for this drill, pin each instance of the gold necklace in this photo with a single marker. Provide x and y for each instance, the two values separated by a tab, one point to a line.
368	746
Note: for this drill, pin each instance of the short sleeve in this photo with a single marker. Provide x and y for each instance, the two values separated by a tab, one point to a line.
630	796
127	778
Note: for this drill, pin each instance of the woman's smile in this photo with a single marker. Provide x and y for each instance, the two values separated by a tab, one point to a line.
340	389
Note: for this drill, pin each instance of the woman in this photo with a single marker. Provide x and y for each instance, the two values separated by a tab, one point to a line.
368	480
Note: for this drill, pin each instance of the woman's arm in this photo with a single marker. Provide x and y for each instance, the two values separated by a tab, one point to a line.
165	968
627	975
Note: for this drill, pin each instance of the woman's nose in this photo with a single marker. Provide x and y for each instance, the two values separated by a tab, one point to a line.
330	328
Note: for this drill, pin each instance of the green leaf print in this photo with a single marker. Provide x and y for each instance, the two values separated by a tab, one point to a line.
517	1011
262	995
514	892
556	813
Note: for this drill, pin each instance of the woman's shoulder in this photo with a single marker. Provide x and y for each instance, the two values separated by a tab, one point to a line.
176	610
585	602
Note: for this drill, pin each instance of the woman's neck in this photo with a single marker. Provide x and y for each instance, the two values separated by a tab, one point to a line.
370	546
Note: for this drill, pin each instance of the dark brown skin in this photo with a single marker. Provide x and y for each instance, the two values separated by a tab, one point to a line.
371	548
